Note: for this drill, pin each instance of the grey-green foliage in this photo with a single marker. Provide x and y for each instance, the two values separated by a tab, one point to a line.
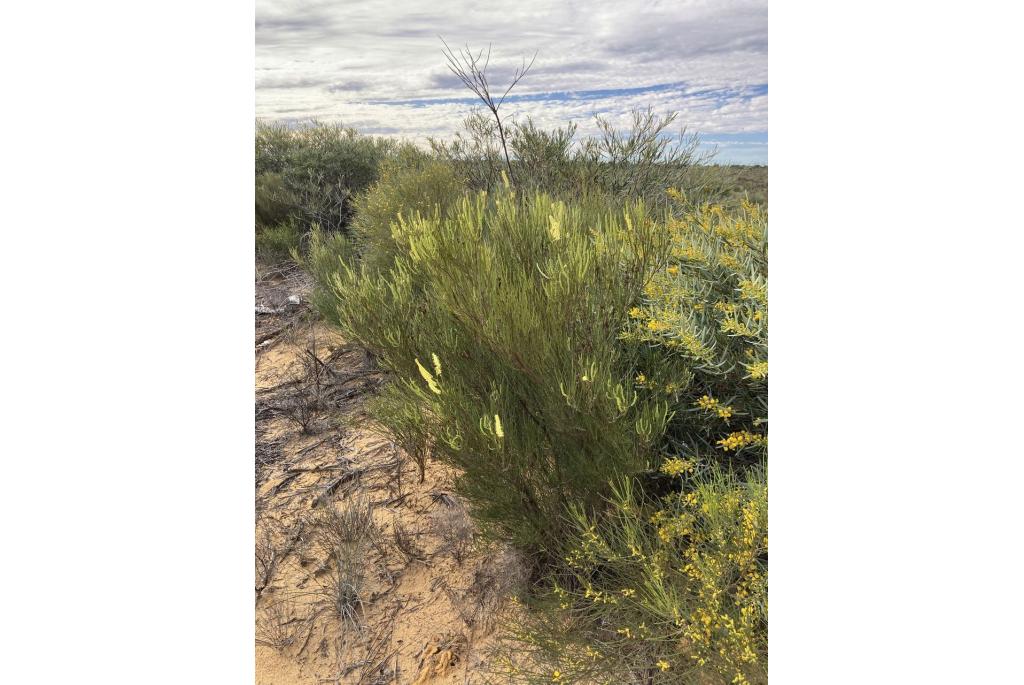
310	173
475	151
521	298
640	162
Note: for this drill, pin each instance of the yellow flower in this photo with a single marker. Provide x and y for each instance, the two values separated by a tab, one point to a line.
437	364
691	253
740	439
641	379
635	313
736	327
663	665
498	430
753	291
728	261
431	383
758	370
554	228
673	270
556	676
707	402
676	466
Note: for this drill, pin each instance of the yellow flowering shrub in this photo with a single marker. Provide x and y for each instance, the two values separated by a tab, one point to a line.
702	324
662	590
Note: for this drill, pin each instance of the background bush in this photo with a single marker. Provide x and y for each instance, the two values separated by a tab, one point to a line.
310	174
641	162
412	183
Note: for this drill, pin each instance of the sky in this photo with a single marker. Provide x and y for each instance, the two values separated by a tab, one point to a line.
377	65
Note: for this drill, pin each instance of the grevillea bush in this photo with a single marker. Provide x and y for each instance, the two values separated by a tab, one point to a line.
501	326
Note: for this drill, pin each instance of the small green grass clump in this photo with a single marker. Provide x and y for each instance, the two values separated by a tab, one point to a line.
276	243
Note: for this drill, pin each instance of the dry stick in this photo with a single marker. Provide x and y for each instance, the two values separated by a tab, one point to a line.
333	486
260	339
329	370
376	646
309	448
312	625
318	469
274	559
395	500
284	481
398	468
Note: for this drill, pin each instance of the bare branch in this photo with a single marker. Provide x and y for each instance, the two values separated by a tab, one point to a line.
471	70
520	73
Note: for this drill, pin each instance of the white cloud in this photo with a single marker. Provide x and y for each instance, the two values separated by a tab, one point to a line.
341	61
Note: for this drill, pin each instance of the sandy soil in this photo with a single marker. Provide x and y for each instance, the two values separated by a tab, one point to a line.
413	596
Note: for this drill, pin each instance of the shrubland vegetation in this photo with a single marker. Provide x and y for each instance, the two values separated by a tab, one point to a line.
585	338
308	177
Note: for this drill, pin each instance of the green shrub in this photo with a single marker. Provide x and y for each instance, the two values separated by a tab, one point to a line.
501	324
325	255
589	349
658	591
412	182
277	243
734	183
274	202
407	422
313	172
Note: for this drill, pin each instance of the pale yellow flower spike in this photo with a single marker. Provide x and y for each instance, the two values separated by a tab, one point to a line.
554	228
498	430
437	364
431	383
